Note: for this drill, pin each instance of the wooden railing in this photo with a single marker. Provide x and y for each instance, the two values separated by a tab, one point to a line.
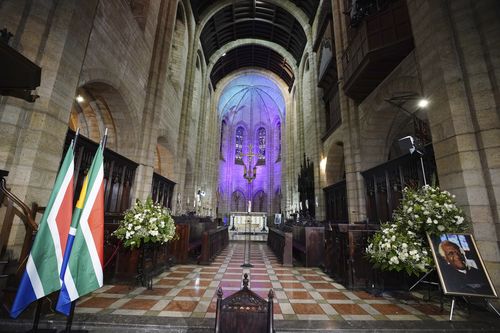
13	260
14	208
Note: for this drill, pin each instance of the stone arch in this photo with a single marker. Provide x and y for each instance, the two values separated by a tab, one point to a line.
247	41
259	201
104	107
286	5
238	201
381	122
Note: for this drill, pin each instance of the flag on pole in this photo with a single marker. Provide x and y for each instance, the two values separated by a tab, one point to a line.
44	263
84	273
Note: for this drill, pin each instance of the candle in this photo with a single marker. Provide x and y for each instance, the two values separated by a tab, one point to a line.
316	201
188	201
249	206
307	204
300	205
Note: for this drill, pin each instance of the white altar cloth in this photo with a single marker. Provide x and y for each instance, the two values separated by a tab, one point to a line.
248	222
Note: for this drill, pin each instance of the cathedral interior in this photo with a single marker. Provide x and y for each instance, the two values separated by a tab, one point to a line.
279	134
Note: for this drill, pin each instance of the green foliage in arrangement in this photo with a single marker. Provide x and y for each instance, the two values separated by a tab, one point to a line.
401	245
146	222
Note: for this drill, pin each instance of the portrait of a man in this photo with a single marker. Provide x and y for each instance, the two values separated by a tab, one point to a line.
460	267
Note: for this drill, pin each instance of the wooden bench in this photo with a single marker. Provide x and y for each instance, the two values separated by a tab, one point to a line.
281	244
244	312
212	243
308	244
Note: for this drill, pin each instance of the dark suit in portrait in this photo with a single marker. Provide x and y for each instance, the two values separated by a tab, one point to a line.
461	275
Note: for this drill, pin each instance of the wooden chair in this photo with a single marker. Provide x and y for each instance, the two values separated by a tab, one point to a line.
244	312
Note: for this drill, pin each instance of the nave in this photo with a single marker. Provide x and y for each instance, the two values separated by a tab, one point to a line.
183	299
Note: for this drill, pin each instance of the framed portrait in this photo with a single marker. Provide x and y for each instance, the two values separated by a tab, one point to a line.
460	267
277	218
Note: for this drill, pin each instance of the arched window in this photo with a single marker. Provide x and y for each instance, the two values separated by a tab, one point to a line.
278	141
238	201
259	203
261	135
238	151
222	129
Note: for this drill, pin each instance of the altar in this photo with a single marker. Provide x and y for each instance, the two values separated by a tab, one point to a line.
253	222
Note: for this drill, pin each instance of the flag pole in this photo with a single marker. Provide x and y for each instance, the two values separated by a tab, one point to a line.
69	321
73	142
36	321
105	139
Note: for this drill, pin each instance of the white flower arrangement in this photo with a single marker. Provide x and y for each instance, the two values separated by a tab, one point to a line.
145	222
402	244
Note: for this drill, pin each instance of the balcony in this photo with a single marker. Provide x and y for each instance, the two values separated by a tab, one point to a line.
381	42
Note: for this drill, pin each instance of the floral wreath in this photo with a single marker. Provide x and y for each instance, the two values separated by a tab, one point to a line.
401	245
146	222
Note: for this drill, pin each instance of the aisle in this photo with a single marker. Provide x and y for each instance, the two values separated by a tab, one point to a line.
301	293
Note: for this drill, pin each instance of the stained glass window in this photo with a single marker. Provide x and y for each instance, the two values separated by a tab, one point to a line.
261	134
222	129
238	152
278	141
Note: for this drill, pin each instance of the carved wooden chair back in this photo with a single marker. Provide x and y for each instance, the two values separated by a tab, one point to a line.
244	312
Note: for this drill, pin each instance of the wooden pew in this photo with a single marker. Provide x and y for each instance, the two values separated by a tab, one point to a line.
212	243
190	231
281	244
346	261
308	244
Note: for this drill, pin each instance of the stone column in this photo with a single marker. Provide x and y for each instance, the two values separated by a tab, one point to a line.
457	47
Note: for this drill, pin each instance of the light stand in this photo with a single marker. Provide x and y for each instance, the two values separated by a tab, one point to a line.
408	143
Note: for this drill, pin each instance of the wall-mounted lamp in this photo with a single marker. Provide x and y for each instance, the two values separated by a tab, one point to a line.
423	103
80	99
322	164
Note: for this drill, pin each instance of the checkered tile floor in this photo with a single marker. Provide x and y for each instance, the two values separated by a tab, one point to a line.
301	293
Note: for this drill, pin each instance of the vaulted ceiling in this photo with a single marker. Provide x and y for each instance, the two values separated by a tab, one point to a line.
252	56
309	7
253	19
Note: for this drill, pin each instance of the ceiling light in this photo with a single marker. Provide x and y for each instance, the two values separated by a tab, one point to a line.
80	99
423	103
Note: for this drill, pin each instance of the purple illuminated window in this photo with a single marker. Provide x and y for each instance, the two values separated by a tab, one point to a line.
238	149
262	146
